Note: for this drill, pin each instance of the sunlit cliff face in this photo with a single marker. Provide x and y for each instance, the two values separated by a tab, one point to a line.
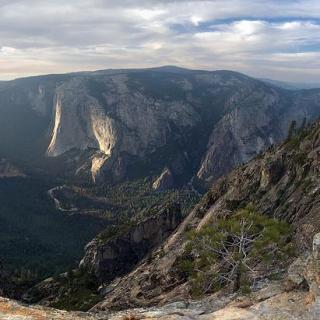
68	133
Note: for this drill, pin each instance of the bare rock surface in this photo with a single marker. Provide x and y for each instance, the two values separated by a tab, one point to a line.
269	303
164	181
283	306
12	310
114	256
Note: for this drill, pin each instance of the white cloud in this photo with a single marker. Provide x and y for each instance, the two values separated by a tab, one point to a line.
146	14
195	20
248	27
7	50
256	37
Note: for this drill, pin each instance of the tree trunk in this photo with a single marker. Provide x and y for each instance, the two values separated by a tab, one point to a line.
237	280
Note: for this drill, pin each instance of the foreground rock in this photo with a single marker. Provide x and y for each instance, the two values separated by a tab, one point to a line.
285	306
273	302
11	310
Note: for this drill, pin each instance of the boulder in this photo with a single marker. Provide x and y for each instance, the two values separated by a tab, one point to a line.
271	173
312	272
308	270
296	271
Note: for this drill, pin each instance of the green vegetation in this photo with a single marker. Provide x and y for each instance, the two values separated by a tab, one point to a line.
77	291
307	184
113	231
39	241
295	135
229	252
292	129
136	197
124	225
36	240
300	158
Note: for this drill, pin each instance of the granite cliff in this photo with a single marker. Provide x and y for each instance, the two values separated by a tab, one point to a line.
111	256
133	122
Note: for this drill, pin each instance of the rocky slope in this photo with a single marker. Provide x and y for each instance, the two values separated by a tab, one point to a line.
272	302
131	122
110	256
284	183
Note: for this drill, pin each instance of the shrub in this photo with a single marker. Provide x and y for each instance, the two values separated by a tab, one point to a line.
227	251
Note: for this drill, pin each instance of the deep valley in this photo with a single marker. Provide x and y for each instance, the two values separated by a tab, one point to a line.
113	182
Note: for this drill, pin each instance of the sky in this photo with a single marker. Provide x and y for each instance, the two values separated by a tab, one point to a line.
277	39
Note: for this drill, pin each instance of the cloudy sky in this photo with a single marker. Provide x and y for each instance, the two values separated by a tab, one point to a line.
277	39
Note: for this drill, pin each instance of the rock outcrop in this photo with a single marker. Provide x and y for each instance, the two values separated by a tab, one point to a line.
110	256
305	270
164	182
80	122
250	129
269	303
12	310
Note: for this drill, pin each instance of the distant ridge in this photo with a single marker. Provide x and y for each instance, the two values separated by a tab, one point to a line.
291	85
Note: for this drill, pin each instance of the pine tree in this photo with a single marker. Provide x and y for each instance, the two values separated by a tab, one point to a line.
225	252
292	129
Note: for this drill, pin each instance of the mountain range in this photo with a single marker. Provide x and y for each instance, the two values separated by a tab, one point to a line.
115	125
108	154
92	149
282	183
